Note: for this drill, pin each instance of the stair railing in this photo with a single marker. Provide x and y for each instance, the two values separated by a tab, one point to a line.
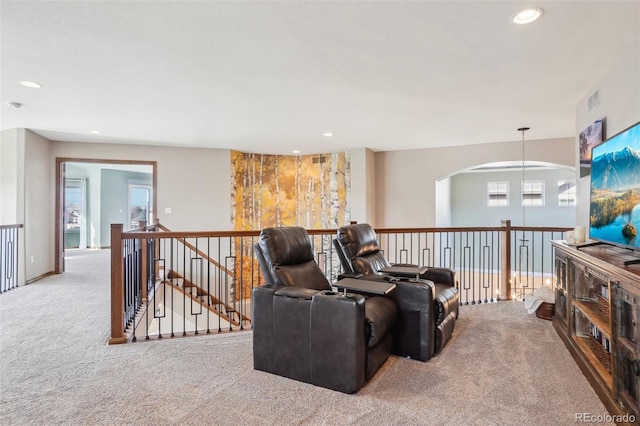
9	257
167	283
179	282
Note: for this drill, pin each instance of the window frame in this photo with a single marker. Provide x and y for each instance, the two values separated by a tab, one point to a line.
148	212
573	191
522	193
496	202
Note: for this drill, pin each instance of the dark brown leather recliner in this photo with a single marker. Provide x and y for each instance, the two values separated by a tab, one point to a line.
427	309
305	331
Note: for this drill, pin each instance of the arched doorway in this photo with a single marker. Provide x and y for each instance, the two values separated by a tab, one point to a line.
538	194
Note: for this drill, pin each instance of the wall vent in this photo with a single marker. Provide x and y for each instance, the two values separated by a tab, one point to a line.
594	99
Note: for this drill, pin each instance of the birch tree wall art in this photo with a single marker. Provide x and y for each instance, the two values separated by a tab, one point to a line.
283	190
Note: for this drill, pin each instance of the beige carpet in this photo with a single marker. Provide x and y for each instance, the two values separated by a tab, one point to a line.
502	367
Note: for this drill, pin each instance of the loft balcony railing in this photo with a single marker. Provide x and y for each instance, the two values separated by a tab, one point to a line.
9	257
166	283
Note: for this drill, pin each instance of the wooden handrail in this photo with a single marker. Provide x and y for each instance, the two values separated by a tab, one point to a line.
202	234
469	229
17	225
200	252
132	235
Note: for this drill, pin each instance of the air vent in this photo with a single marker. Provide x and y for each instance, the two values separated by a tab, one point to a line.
319	159
594	100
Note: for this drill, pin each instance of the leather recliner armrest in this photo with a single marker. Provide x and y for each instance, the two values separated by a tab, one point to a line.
413	296
296	292
441	276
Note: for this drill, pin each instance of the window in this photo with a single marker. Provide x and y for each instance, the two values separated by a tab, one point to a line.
73	202
497	194
139	204
567	192
533	193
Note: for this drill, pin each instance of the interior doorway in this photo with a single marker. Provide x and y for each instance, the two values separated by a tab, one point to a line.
91	194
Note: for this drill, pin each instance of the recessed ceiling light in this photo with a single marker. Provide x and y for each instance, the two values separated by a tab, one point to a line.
327	134
31	84
95	132
527	16
296	151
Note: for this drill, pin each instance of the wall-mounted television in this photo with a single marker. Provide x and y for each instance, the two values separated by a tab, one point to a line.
615	190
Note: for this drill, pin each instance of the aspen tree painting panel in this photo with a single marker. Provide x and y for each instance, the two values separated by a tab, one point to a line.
283	190
312	191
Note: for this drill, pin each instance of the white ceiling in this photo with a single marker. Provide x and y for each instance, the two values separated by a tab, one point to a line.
271	77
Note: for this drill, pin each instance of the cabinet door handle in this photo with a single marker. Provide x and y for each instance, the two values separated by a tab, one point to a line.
635	367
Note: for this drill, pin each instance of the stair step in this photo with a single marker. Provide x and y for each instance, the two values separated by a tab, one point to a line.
176	281
199	295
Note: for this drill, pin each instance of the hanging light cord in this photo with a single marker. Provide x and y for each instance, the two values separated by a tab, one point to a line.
523	129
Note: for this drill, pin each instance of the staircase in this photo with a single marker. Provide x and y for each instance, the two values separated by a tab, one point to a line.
174	300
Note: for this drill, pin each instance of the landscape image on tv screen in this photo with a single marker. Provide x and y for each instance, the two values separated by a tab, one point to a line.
615	189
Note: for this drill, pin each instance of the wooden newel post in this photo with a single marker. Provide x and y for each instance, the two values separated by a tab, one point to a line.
117	286
505	260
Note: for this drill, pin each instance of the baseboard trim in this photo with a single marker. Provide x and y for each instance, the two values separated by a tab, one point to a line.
46	274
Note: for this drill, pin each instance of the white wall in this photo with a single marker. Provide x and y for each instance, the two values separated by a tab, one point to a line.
406	180
363	196
12	189
443	203
26	199
38	210
619	94
10	166
193	182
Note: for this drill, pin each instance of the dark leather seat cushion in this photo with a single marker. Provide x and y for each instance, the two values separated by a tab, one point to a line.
380	314
446	302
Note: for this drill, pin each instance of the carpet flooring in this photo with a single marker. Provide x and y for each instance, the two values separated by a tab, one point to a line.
502	367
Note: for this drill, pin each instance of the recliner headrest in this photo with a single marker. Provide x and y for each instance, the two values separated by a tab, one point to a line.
285	255
287	245
358	240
